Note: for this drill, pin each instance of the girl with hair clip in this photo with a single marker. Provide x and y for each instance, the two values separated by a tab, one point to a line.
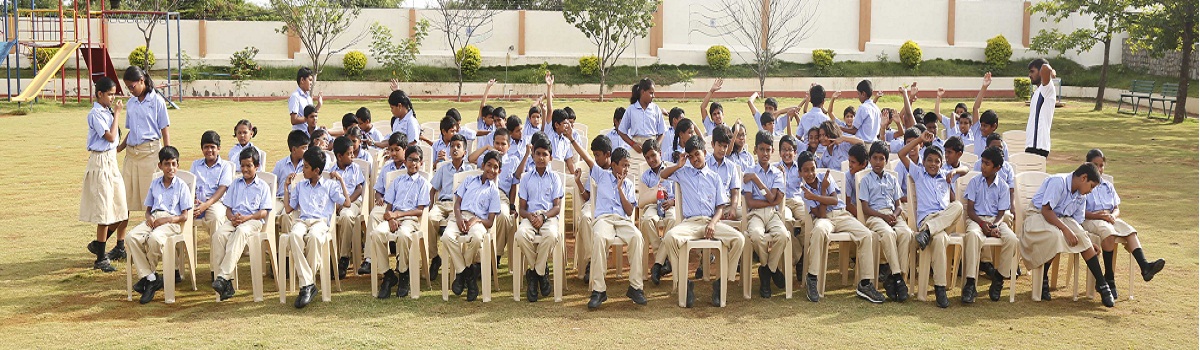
738	153
244	131
147	121
103	200
684	131
643	118
404	117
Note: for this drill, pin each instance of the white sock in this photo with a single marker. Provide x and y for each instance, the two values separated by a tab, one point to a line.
151	277
367	259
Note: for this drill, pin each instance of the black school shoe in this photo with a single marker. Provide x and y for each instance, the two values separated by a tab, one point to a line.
597	299
778	278
116	254
178	277
968	291
889	286
435	267
364	268
152	287
229	291
460	280
666	268
656	273
901	287
103	265
940	293
716	298
1153	269
811	281
305	297
923	238
140	286
531	286
218	285
1106	296
545	283
636	295
1045	288
764	279
343	265
472	282
402	285
691	295
385	288
867	291
997	284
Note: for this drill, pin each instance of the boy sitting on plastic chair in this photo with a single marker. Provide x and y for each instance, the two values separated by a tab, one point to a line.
406	198
315	198
348	215
168	204
763	186
935	212
247	203
879	195
468	227
540	207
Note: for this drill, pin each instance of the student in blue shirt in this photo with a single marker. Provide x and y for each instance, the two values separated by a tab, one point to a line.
612	221
305	77
769	107
878	195
291	164
650	222
476	204
935	212
404	118
213	177
643	118
397	145
441	147
147	122
762	187
954	151
442	181
560	143
348	216
931	121
372	136
517	142
406	198
823	199
103	199
685	130
540	197
712	115
738	152
244	131
866	119
837	146
168	204
506	181
730	172
601	155
815	116
247	204
702	212
987	201
1104	227
315	200
1052	226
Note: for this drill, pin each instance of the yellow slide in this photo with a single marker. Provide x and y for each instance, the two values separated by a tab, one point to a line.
35	88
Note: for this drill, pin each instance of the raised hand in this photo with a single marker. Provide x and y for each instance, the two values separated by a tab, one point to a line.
987	79
490	83
941	92
549	78
716	86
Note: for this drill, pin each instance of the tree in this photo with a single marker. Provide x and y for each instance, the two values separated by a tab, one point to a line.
155	11
397	57
224	10
1109	18
1168	26
318	24
764	28
612	25
461	21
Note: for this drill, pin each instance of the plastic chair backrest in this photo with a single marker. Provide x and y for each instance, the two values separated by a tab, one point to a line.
1027	184
429	130
582	129
960	187
969	149
1026	162
968	159
646	195
459	177
427	162
1014	137
368	195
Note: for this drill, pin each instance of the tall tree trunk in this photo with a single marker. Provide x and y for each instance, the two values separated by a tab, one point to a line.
1185	74
1103	78
460	82
603	78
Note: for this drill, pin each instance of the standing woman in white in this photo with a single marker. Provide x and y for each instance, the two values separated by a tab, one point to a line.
1041	108
147	121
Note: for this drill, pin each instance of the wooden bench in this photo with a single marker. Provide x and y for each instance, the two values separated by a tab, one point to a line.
1138	90
1166	95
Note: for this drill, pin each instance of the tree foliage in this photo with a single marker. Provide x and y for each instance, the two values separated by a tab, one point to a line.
398	57
461	21
319	24
1109	18
761	28
1168	26
612	25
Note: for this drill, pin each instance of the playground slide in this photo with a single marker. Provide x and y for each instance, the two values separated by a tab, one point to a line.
6	48
35	88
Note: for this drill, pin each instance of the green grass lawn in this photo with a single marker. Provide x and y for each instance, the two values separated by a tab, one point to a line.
53	299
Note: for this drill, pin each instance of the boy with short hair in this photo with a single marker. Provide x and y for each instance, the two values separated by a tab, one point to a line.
985	123
406	198
168	203
792	198
729	171
213	177
348	215
1041	107
763	191
702	213
468	227
1052	226
614	203
397	146
372	135
540	201
986	199
601	149
291	164
954	151
302	97
612	135
769	107
879	195
247	204
866	119
442	182
1101	221
822	197
814	116
441	147
652	220
315	199
935	212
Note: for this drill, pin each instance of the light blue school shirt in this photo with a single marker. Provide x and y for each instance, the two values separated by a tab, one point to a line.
1103	197
408	126
248	198
479	197
772	177
831	190
651	179
989	198
642	122
100	119
317	201
1057	192
443	178
208	178
235	154
606	199
933	192
730	173
540	190
282	169
145	119
296	103
408	192
702	199
173	199
867	121
880	191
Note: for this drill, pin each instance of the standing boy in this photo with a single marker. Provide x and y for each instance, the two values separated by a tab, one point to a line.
1041	107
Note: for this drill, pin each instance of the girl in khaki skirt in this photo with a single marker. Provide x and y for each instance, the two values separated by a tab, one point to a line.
146	120
1104	227
103	200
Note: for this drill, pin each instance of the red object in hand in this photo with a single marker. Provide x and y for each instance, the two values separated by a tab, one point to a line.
662	194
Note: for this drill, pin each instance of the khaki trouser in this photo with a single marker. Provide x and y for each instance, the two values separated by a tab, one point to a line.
310	234
141	162
650	223
841	221
767	235
694	228
463	247
537	244
937	223
228	243
583	232
348	226
505	225
607	230
986	255
894	241
212	221
404	235
146	244
284	219
973	243
797	212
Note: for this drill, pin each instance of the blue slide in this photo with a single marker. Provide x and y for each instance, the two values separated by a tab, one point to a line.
6	48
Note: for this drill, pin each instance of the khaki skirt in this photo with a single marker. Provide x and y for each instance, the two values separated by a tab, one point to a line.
1042	241
103	199
141	162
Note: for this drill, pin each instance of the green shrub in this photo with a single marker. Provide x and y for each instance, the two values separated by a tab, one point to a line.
42	55
718	57
142	57
469	59
589	65
1023	88
998	52
242	65
823	59
910	54
354	62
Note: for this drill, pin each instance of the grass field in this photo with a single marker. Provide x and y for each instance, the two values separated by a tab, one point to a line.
52	299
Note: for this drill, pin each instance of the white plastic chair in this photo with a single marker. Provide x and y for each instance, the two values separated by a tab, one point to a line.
364	211
429	130
487	250
1027	162
748	252
416	250
1014	137
681	262
516	261
255	246
1027	185
187	236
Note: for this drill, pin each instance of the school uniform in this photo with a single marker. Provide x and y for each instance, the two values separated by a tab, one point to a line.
406	192
813	118
881	193
989	198
707	191
146	244
479	199
650	222
374	136
667	146
364	156
229	241
642	124
731	178
103	200
617	141
483	141
1041	116
208	179
836	219
283	168
235	155
796	209
408	126
764	226
743	159
560	146
834	155
1104	197
867	120
443	182
506	223
145	120
539	191
1042	241
935	213
380	188
296	103
348	217
611	224
439	147
316	204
